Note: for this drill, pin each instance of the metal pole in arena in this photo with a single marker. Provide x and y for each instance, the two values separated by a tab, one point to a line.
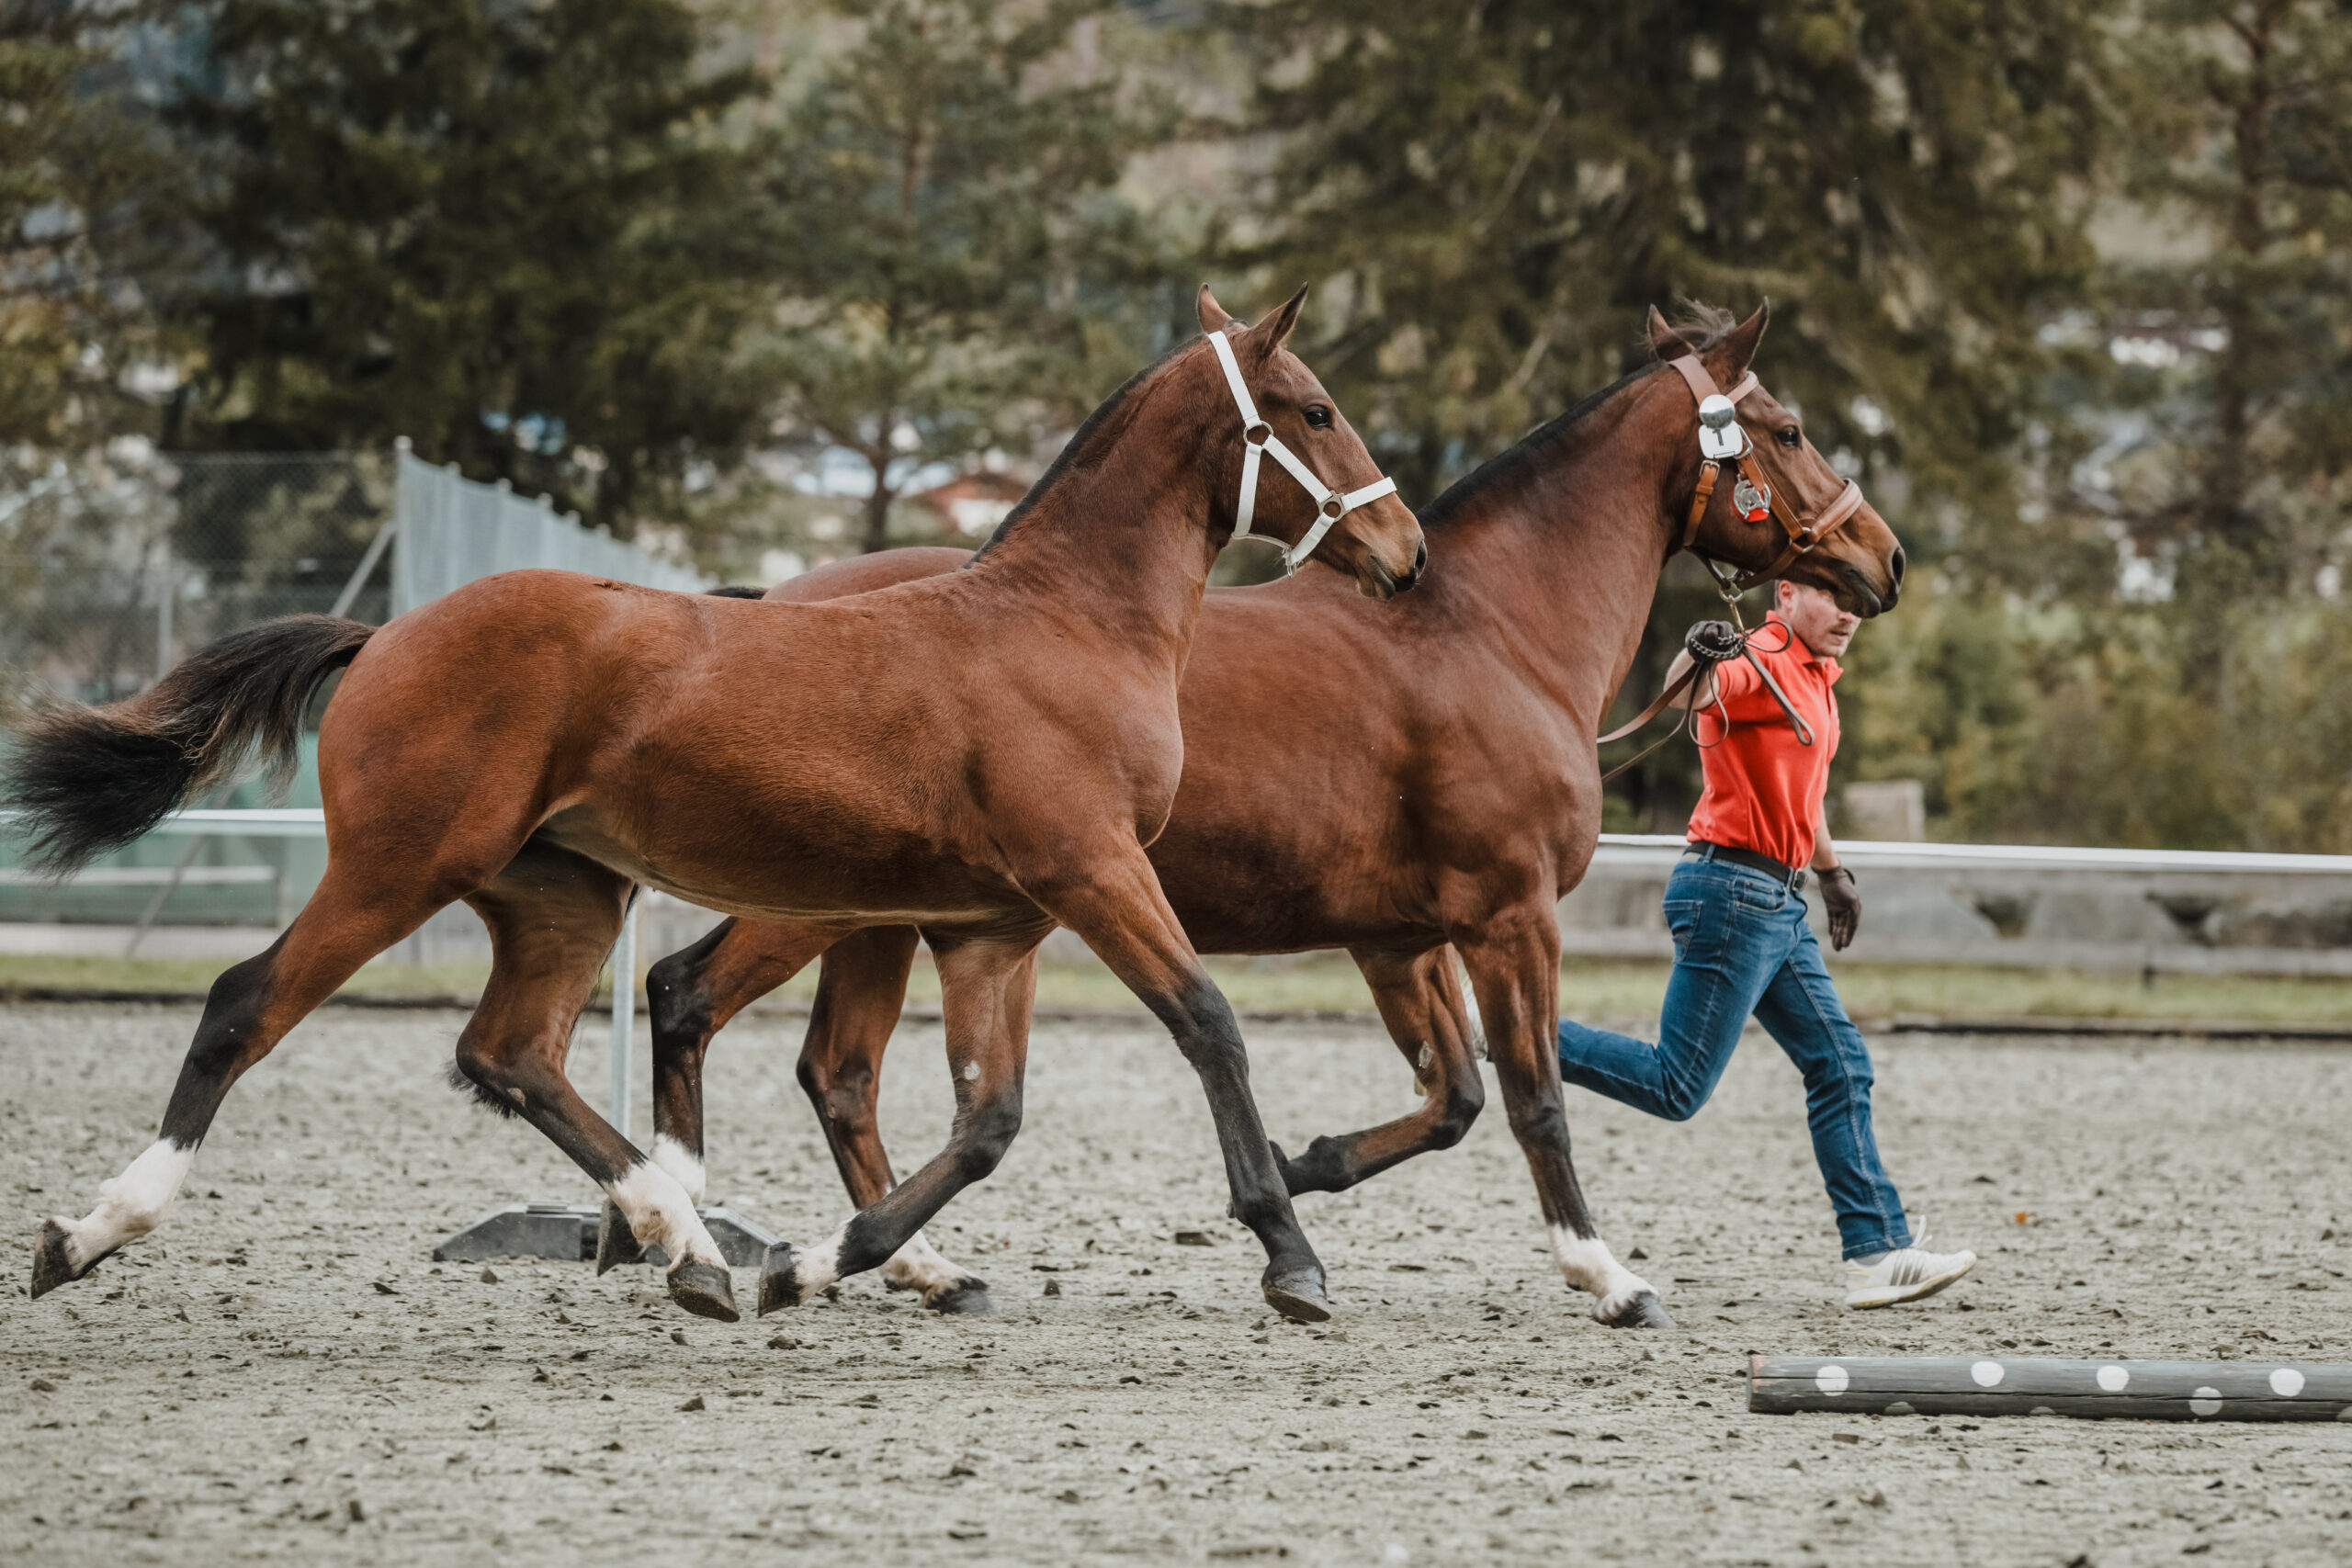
624	1013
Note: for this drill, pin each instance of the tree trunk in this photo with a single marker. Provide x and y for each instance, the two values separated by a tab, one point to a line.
877	515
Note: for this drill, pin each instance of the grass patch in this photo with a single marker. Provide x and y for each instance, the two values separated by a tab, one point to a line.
1328	983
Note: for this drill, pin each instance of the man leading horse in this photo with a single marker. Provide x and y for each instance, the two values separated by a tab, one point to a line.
1742	946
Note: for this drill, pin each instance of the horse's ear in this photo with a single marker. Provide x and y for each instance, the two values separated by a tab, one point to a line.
1739	345
1274	330
1664	342
1213	315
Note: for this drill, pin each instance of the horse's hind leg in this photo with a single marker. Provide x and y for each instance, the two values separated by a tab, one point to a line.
986	986
1420	1001
1514	964
690	997
352	917
860	993
552	917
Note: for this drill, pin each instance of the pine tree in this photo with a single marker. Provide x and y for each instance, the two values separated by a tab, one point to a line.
74	156
1502	189
1494	193
509	231
960	265
2242	154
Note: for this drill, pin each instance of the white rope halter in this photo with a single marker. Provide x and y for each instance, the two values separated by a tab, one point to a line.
1257	436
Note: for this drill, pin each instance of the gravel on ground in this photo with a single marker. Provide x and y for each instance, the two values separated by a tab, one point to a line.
282	1372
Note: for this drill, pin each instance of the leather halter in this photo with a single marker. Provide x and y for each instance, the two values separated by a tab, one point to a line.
1802	533
1257	436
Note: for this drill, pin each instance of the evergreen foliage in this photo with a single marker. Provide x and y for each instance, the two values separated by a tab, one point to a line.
509	231
2067	286
74	156
962	271
1505	187
2241	481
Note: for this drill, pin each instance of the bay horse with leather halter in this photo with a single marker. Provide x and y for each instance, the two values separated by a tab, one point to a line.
979	753
1384	781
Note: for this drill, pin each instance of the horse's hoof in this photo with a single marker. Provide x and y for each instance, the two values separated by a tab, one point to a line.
779	1280
970	1299
1298	1295
616	1243
705	1289
54	1260
1643	1311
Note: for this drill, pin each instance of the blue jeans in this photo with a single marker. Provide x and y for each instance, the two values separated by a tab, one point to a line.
1741	945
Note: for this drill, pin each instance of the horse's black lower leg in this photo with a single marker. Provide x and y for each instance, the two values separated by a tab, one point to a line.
250	1008
1514	965
1421	1004
1210	1038
1116	904
986	989
690	997
681	1010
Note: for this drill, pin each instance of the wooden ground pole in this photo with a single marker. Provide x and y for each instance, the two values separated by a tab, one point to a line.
2034	1385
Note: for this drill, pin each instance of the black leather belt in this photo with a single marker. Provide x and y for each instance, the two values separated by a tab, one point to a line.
1789	877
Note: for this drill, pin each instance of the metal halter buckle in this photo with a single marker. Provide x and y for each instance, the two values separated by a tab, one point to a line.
1722	437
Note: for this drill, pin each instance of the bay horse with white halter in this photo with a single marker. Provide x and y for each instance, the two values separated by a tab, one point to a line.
980	753
1390	781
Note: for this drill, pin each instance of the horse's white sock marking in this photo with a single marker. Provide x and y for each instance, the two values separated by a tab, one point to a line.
683	1163
1590	1266
661	1215
915	1266
819	1265
132	1205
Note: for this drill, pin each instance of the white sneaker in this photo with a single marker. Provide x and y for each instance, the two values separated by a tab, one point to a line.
1906	1274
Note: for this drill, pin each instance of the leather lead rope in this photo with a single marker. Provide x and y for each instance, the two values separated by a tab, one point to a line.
1710	644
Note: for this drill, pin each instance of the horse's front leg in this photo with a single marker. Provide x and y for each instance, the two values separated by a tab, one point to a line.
985	986
1420	1001
1514	963
1116	905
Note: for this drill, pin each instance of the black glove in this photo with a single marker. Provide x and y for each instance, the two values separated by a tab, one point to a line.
1712	642
1843	903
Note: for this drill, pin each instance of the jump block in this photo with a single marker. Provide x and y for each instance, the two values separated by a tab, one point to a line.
2034	1385
567	1231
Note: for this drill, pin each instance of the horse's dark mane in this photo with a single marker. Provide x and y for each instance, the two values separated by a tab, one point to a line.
1702	326
1078	451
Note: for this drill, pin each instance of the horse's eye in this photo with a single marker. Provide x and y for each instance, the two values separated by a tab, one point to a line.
1792	436
1319	417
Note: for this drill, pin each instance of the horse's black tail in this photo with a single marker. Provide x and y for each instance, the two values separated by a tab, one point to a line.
92	779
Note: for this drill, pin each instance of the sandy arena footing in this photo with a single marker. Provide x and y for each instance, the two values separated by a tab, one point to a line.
282	1372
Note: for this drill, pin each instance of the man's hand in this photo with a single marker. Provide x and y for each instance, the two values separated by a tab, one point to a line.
1843	903
1712	642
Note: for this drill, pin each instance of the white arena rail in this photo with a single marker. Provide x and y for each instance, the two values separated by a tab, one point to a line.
2149	911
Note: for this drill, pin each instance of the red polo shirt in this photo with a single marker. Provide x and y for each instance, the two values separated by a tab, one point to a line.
1764	789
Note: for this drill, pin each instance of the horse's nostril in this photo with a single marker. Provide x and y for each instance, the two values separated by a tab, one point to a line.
1421	558
1895	567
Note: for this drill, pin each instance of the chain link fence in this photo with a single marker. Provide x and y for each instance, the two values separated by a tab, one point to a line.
115	566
